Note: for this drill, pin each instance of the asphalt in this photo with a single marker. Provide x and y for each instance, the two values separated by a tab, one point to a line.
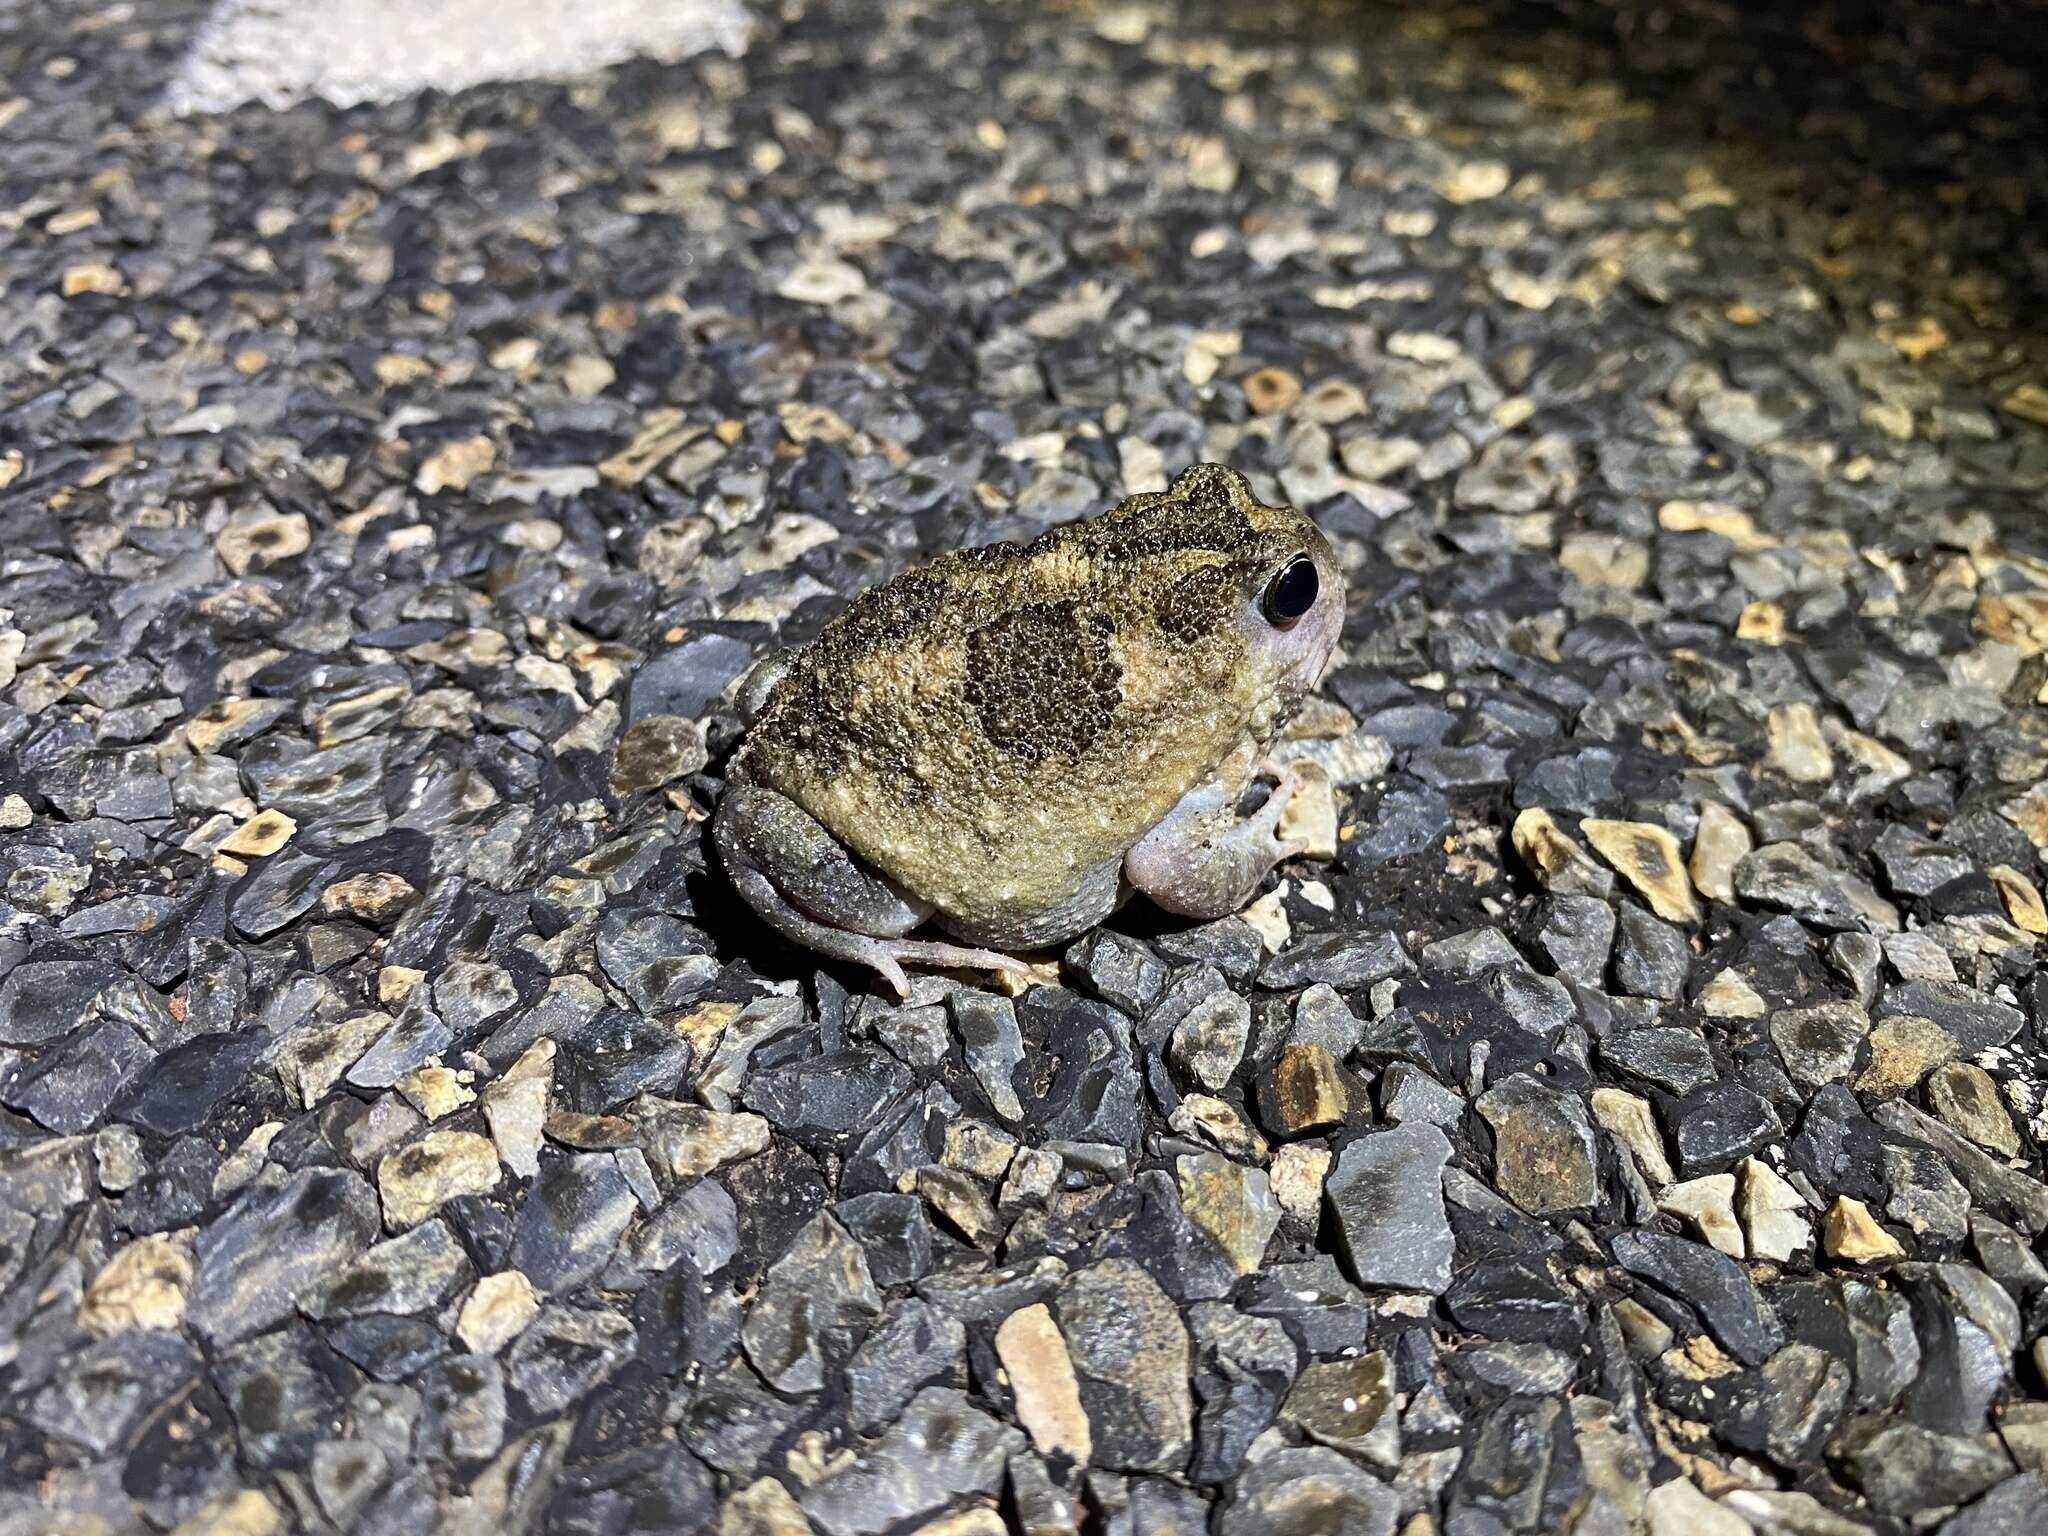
1627	1117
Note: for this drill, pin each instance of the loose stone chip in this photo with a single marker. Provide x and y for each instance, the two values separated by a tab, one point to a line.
1647	857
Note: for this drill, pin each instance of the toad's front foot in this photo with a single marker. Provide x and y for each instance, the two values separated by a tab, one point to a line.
1204	860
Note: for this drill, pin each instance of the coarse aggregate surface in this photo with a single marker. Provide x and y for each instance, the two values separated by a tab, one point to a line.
1632	1123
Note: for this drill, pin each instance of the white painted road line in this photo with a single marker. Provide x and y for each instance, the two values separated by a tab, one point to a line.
347	51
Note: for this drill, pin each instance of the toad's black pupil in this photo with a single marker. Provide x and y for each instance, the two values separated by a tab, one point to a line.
1293	591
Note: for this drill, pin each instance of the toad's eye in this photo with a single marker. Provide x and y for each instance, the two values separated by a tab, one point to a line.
1291	593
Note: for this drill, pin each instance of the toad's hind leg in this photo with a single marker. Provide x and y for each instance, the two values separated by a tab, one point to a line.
1202	860
810	889
1101	891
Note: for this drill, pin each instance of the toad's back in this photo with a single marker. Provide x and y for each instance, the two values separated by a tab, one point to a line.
988	728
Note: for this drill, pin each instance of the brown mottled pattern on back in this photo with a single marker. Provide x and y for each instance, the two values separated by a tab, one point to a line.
1043	680
1195	604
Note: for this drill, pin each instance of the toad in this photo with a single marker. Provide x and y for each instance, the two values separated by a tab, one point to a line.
1010	741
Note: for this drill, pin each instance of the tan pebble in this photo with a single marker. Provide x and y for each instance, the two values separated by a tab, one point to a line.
1204	1115
1773	1215
823	280
261	835
1333	401
691	1141
1678	1508
1310	815
91	277
1874	767
1730	996
1904	1049
803	422
375	898
1798	750
395	370
1211	166
1645	1333
1605	561
462	649
1852	1235
2029	402
1916	339
1424	347
2017	619
452	466
763	1508
1143	465
243	1513
207	729
1298	1172
1270	390
1377	458
417	1180
1732	523
355	716
516	1107
517	355
1475	181
1718	844
1762	622
962	1204
975	1147
1646	855
1319	719
1700	1358
142	1286
497	1311
2029	812
1308	1090
1629	1118
1041	1372
1513	412
2022	899
586	375
704	1026
247	1160
1555	858
1709	1205
1523	289
660	434
436	1092
395	983
1268	918
1230	1202
258	539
